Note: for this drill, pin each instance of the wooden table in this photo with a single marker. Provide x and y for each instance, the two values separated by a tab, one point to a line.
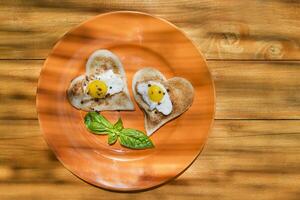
253	51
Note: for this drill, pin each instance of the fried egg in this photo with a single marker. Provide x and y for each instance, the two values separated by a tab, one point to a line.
86	91
104	84
155	96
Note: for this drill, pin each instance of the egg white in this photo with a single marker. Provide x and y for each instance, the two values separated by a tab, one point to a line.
113	82
165	106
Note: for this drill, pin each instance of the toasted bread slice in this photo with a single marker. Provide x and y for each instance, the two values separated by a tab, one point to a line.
180	90
99	62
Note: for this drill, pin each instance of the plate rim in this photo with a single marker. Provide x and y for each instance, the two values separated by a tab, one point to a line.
118	189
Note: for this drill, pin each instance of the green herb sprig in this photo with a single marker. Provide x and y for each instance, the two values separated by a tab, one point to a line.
130	138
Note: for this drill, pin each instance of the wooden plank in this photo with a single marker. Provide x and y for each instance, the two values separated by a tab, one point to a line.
255	159
257	90
241	88
18	81
221	29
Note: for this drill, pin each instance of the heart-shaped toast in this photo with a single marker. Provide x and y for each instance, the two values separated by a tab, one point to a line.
160	99
103	86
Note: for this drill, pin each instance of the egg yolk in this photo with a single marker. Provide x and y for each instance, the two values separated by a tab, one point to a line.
97	89
155	93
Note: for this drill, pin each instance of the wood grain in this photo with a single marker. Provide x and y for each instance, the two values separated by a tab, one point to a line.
241	88
18	88
249	158
257	90
221	29
243	159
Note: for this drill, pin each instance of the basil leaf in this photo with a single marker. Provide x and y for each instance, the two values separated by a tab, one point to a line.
96	123
96	117
118	125
91	115
135	139
97	128
87	119
112	138
130	138
101	119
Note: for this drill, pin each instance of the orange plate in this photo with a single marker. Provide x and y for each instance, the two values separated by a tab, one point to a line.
139	40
